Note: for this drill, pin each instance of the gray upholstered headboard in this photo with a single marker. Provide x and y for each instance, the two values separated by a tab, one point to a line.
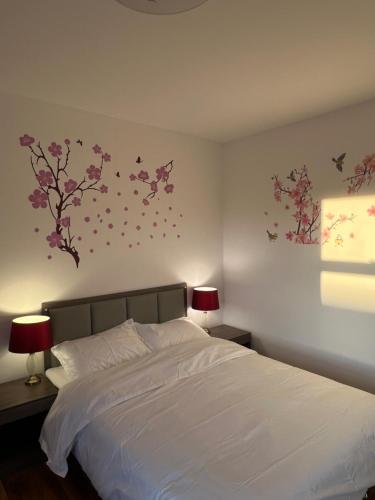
72	319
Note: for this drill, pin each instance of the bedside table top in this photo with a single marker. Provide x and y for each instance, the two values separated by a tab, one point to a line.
18	400
227	332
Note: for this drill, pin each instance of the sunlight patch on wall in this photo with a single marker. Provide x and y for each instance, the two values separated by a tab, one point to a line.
348	229
355	292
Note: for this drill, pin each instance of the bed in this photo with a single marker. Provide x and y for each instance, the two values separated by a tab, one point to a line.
204	419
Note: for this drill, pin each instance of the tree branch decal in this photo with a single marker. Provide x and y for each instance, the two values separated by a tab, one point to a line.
331	228
58	191
162	175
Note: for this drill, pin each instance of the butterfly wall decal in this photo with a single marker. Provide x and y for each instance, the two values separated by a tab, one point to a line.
79	141
292	176
139	160
117	174
272	236
339	162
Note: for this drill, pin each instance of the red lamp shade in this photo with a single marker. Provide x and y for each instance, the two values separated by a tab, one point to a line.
205	298
30	334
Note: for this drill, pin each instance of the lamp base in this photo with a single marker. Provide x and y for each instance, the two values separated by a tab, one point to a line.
33	380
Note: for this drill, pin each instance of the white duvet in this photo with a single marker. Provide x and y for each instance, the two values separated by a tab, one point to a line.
209	420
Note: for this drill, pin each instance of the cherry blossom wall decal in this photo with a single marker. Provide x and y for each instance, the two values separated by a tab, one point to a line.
298	189
57	190
162	175
364	173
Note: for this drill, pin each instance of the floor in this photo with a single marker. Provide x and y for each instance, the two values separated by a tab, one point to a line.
38	483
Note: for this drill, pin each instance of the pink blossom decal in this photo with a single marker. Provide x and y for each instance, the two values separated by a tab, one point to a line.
38	199
70	186
93	172
26	140
58	191
55	149
143	175
169	188
54	239
162	175
45	178
97	149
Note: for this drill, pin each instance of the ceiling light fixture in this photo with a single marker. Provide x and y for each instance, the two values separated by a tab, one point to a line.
162	6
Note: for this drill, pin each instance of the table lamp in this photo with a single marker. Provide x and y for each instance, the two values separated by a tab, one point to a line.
205	298
30	334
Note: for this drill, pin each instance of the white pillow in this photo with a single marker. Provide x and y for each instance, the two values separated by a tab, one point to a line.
157	336
58	376
102	350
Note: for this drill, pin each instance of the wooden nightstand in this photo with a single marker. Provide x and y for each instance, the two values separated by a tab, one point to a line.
22	412
230	333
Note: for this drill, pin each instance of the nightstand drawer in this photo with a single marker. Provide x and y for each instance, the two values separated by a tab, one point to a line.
26	410
18	400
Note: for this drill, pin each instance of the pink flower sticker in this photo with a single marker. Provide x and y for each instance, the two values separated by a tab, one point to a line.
162	174
65	222
145	201
289	235
132	177
55	149
70	185
97	149
169	188
38	199
76	201
143	175
93	172
45	178
103	188
67	142
106	157
54	239
26	140
154	186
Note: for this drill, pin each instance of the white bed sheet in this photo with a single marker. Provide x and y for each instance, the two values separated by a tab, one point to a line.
211	420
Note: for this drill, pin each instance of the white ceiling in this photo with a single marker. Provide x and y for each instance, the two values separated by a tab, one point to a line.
222	71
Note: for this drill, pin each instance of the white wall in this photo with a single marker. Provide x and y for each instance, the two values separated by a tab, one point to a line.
28	277
273	288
